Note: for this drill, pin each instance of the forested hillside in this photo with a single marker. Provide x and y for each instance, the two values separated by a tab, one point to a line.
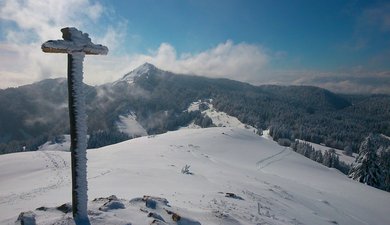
37	113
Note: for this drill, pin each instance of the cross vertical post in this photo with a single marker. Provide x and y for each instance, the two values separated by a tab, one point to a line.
77	44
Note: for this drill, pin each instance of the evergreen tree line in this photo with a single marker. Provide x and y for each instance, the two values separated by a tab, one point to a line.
337	127
371	167
102	138
330	158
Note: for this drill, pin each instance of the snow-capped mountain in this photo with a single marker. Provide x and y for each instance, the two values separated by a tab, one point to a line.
145	69
233	176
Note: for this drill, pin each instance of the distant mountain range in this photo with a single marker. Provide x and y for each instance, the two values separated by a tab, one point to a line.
155	101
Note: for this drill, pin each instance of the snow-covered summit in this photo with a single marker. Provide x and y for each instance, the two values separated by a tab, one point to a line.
144	69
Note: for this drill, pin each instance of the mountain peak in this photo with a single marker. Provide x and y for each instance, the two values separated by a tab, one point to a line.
146	68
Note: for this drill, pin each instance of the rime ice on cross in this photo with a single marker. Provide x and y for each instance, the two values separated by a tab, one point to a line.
77	44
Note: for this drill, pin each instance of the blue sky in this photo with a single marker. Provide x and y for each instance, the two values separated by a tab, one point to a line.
322	34
332	44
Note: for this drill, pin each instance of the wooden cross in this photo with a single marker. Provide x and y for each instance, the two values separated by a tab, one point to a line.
77	44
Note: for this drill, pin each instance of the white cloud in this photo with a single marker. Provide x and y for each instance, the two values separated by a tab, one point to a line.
372	83
26	24
39	20
22	64
29	23
94	11
235	61
242	62
351	81
114	36
32	22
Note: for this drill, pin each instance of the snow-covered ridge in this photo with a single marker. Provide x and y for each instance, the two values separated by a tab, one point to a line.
220	119
237	177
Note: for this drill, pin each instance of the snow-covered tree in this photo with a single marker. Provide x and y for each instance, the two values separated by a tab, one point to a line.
327	160
319	156
366	169
348	150
384	163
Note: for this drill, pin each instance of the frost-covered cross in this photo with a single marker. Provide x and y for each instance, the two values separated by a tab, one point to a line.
77	44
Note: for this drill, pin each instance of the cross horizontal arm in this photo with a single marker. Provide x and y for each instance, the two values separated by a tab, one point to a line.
74	41
62	46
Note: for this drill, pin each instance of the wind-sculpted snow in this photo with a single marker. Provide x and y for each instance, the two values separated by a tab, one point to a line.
237	177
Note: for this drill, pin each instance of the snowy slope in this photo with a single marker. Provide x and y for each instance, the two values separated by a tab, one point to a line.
272	184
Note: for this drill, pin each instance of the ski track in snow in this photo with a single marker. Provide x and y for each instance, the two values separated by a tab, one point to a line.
273	158
56	163
343	212
103	173
283	194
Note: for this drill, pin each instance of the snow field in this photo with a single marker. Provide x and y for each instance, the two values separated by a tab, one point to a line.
271	184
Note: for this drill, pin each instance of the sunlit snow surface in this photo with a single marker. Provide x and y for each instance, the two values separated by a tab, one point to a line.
277	186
